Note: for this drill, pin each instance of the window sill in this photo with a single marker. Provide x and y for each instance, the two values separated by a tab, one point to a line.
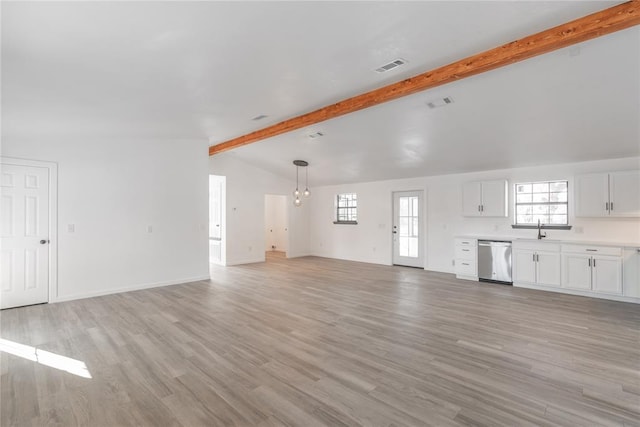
543	227
346	222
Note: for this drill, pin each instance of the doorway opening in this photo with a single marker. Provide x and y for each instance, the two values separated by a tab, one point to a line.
408	233
276	226
217	219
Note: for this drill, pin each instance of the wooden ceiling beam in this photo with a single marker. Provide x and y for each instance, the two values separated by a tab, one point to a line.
607	21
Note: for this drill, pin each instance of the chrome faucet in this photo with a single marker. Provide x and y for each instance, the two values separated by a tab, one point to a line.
540	234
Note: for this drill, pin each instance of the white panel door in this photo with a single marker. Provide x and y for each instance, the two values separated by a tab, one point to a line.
548	269
624	193
408	249
592	195
524	266
24	224
494	198
607	275
576	270
471	198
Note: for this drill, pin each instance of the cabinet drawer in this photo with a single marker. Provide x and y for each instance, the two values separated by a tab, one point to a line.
465	267
536	245
592	250
466	242
466	253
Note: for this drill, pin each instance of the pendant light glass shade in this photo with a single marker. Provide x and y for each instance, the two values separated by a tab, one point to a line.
306	192
297	202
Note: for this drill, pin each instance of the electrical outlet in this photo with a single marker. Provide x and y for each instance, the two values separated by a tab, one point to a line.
149	229
453	262
71	228
250	248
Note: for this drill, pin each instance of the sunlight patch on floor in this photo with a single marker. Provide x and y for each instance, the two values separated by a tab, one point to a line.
56	361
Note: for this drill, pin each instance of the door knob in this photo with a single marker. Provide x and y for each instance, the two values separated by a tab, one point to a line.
44	242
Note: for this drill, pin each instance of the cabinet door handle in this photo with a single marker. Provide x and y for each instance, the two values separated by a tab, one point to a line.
478	208
465	250
610	206
606	206
481	208
534	257
594	263
589	262
537	257
464	263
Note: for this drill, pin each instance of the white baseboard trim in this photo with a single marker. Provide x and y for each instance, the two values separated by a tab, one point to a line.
578	292
472	278
348	259
299	255
128	289
245	261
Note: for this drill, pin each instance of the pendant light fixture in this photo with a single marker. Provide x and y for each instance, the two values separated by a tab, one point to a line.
306	193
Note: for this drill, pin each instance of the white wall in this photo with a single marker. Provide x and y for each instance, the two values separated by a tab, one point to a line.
275	222
246	188
370	240
112	190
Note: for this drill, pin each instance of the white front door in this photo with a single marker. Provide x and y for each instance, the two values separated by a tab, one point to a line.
407	229
24	229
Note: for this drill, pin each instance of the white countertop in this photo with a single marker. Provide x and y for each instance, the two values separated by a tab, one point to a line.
560	241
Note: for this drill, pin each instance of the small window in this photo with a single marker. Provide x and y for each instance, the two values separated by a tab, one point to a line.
546	202
346	209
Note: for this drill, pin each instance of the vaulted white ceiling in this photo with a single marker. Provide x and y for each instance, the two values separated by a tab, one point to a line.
205	69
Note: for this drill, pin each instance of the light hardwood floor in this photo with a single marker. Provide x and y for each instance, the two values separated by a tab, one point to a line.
314	341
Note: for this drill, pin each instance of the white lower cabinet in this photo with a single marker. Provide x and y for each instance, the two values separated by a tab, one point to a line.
576	271
631	272
536	263
548	272
524	266
597	271
606	275
585	269
466	261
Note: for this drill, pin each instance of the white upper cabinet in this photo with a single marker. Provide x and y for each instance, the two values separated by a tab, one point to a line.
485	198
471	198
624	193
592	194
608	194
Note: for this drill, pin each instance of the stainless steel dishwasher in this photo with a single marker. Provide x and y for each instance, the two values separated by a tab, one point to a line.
494	261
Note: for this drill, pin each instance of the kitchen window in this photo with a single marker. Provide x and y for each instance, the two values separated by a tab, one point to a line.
346	208
545	201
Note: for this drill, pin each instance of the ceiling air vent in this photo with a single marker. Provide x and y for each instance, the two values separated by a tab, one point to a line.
391	65
316	135
440	102
260	117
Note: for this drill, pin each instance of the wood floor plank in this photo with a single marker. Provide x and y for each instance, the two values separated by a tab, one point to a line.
316	341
